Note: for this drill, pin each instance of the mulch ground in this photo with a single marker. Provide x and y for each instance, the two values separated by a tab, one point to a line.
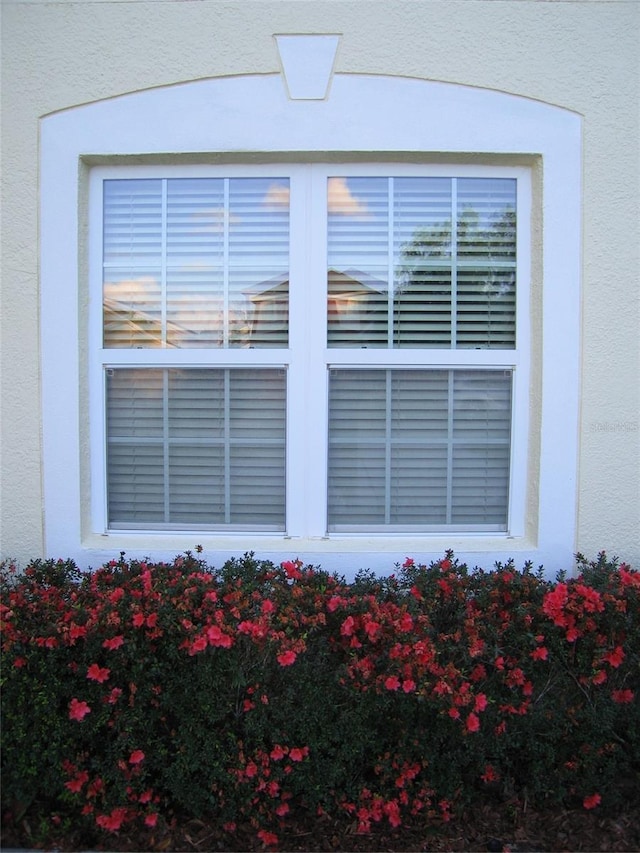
496	830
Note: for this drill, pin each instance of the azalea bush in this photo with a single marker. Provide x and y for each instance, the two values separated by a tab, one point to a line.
143	693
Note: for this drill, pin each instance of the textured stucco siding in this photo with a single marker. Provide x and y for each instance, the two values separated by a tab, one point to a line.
581	55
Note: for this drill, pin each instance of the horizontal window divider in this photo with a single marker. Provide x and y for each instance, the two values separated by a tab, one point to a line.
187	358
428	529
439	359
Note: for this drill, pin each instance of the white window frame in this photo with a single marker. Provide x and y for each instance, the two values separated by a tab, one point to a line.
307	358
365	119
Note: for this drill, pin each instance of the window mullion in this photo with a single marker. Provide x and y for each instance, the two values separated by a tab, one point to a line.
165	445
454	263
450	404
227	446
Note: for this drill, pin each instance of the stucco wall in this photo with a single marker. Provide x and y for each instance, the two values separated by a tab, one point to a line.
580	55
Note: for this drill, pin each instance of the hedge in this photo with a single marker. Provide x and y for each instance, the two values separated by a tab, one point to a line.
255	694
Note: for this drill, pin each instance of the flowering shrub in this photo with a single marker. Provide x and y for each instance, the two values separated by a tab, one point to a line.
140	692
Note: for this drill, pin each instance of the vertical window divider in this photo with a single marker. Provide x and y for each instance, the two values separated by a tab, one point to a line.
227	445
450	403
388	446
165	444
390	263
226	220
163	265
454	263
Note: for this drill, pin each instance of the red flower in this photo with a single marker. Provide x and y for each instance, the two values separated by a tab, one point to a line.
592	801
287	658
138	620
373	630
277	752
481	702
97	673
615	657
112	822
348	626
136	756
292	569
408	685
113	696
392	682
540	653
268	838
217	637
622	697
268	606
198	645
18	662
151	820
473	722
78	710
489	774
297	754
113	643
76	784
408	563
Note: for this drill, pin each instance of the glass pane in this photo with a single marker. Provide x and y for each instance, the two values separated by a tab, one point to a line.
422	448
198	262
196	447
401	274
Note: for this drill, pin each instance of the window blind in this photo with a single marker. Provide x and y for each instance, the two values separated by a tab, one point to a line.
421	262
196	447
419	447
196	262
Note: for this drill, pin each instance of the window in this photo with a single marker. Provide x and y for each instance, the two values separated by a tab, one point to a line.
310	350
528	352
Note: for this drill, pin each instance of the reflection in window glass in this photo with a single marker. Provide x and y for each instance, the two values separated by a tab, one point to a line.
421	262
196	262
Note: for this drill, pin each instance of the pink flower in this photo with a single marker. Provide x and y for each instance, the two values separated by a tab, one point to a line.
138	620
19	662
287	658
592	801
151	820
408	563
136	756
78	710
113	643
392	682
268	606
408	685
277	752
98	673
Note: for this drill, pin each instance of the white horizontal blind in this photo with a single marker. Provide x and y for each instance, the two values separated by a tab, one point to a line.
421	262
196	447
419	448
196	262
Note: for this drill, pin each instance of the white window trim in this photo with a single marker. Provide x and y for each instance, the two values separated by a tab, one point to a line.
374	118
307	357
